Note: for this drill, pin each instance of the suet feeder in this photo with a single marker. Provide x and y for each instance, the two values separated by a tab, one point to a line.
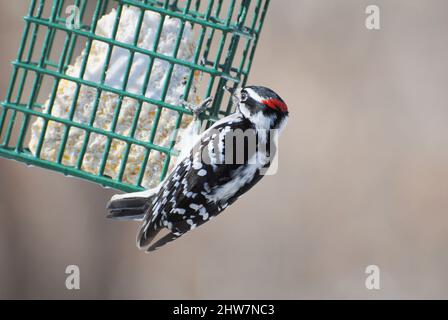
97	88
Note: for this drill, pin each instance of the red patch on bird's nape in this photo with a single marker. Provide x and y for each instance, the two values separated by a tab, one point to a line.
275	104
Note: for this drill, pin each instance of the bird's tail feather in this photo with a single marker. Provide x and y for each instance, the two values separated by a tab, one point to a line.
131	206
148	232
137	206
161	242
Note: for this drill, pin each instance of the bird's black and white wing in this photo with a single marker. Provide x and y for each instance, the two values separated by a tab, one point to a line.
199	188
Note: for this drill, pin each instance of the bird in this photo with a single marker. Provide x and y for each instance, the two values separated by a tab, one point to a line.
221	164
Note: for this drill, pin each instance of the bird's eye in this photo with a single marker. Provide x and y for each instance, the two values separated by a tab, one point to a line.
243	96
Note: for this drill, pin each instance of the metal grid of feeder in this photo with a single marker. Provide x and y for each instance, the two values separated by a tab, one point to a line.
97	85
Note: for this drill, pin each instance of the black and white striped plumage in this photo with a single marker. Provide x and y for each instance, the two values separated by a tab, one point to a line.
207	180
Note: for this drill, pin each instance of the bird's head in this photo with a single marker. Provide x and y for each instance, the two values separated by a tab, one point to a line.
261	106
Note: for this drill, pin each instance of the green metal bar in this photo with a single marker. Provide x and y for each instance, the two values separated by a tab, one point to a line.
137	115
242	14
60	69
120	102
46	47
103	78
105	6
57	6
164	92
15	71
212	33
24	74
188	85
227	27
258	31
197	5
88	128
77	90
74	37
130	47
219	94
102	87
29	159
97	98
249	41
45	67
147	78
199	45
246	50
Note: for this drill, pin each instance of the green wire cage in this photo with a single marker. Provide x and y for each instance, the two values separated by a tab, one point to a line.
97	85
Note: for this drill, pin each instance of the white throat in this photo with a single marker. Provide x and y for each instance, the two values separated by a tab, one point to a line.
260	121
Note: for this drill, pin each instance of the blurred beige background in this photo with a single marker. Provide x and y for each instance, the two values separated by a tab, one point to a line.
363	177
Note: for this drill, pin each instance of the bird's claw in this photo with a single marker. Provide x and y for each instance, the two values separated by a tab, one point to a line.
197	110
229	89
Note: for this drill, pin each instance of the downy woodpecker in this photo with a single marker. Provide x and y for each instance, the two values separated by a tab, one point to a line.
224	162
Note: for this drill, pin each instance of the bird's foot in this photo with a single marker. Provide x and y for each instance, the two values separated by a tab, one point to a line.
197	110
229	89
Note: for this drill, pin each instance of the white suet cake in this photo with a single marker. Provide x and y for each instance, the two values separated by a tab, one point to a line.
108	101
